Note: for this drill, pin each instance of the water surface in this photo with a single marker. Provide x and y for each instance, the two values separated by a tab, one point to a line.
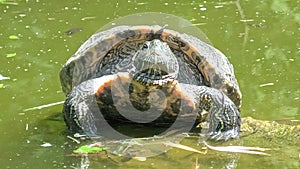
261	39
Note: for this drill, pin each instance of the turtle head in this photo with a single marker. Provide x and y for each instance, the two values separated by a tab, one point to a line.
154	64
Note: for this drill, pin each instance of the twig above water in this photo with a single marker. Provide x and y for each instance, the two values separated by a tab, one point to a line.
43	106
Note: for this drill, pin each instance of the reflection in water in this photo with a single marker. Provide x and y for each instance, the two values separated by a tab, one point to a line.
267	55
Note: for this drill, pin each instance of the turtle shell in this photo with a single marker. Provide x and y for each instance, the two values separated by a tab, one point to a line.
111	51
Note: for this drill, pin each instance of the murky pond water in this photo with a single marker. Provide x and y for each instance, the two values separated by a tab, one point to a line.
260	38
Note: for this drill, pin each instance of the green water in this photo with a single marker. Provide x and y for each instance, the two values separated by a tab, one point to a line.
260	38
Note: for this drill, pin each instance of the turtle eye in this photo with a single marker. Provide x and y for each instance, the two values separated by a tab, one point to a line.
145	46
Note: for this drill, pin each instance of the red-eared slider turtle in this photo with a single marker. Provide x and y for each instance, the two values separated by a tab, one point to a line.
149	74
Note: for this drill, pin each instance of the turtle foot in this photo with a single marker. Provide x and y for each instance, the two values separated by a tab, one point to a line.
224	136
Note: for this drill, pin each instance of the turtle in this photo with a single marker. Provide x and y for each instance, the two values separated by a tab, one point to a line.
150	75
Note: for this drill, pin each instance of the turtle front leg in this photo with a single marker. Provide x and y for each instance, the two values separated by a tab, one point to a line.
81	112
223	118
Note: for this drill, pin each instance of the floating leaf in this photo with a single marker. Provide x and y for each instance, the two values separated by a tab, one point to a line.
3	77
88	18
8	2
266	84
88	149
1	85
183	147
140	158
239	149
10	55
13	37
46	145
